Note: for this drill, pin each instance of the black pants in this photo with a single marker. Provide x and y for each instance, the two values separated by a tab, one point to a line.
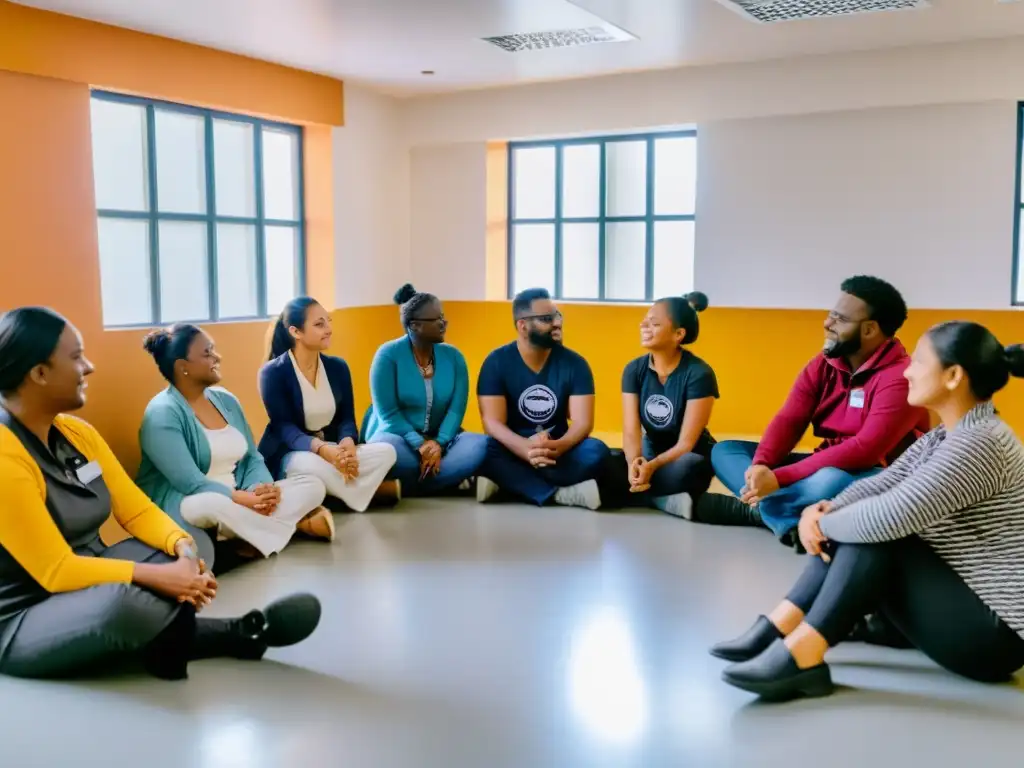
690	473
914	588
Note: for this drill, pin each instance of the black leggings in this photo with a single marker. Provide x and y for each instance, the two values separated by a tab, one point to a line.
908	583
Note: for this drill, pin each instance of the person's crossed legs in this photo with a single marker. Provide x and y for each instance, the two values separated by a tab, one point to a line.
461	460
568	482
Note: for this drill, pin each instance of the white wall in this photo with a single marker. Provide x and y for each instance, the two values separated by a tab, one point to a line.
899	163
371	200
922	196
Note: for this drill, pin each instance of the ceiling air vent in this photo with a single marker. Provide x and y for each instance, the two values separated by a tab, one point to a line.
561	38
767	11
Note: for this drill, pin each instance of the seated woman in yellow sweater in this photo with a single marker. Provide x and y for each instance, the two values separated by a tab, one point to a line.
68	603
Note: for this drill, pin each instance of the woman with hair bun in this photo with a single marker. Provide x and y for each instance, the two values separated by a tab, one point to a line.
667	396
69	604
199	461
312	429
934	544
420	388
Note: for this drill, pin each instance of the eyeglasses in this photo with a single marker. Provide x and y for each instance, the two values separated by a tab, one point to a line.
548	319
440	319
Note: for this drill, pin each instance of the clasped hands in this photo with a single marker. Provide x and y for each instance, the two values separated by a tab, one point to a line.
342	456
187	578
640	473
430	458
542	451
811	537
262	498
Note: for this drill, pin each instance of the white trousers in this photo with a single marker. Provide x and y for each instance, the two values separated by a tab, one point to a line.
375	461
300	495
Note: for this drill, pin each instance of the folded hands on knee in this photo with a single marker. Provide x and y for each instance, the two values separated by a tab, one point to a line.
541	450
430	458
810	529
342	456
640	473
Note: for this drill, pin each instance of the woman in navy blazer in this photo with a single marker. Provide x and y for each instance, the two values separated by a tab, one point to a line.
312	429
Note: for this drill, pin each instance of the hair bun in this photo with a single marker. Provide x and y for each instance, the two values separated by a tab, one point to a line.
697	300
404	293
1015	359
156	342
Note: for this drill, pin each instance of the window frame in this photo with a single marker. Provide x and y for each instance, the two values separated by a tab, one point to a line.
602	219
1017	297
210	218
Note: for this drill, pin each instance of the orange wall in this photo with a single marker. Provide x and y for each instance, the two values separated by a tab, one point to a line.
48	244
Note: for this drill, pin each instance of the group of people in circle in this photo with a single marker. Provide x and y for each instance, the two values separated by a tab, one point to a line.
915	535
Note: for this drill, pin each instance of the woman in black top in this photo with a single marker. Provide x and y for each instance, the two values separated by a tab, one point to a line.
667	396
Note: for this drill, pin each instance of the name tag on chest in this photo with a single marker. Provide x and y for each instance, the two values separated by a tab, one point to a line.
857	398
88	472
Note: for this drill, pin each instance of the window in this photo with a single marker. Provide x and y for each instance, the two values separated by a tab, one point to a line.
1017	285
200	213
607	219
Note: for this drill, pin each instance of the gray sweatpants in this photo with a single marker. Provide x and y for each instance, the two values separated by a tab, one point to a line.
81	632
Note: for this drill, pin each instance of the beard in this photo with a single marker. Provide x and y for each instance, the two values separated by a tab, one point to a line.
544	340
836	348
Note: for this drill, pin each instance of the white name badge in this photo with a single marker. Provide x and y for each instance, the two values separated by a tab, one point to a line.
89	472
857	398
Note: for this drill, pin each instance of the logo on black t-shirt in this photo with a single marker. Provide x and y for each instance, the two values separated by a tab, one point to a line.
538	404
659	410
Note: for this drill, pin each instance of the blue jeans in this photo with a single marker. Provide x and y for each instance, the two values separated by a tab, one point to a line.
781	510
461	460
513	475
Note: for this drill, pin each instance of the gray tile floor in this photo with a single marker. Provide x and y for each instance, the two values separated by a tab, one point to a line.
459	635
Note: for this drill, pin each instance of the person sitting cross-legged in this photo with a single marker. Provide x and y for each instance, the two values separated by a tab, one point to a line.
537	403
854	395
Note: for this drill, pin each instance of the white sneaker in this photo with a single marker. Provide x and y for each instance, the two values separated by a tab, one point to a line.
585	494
677	505
485	489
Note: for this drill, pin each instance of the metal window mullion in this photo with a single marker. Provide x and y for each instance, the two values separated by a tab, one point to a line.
510	240
154	208
649	218
602	194
1015	297
212	263
300	267
261	234
558	221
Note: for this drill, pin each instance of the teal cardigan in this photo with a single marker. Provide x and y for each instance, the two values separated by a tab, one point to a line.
400	397
176	453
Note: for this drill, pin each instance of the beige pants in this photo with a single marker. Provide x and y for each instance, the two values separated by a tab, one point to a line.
300	495
375	461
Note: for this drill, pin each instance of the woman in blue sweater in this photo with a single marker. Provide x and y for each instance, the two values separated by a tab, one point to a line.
420	387
199	463
312	429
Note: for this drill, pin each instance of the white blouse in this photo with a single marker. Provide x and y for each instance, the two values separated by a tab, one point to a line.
227	447
318	404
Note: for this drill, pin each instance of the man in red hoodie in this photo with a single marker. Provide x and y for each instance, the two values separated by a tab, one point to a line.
855	397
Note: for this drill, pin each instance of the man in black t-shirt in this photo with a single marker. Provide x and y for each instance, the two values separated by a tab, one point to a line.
537	404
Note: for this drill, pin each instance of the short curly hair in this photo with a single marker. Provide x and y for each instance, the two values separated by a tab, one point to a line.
885	303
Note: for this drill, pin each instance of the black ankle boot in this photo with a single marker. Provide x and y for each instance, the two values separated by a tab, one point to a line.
751	643
774	676
284	622
166	656
719	509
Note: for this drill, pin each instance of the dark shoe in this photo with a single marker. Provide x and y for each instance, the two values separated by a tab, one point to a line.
719	509
165	656
284	622
878	630
750	644
791	539
774	676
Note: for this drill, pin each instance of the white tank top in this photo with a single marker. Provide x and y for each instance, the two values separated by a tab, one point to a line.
227	447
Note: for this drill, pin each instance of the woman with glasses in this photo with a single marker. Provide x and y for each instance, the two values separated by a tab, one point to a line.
312	429
420	387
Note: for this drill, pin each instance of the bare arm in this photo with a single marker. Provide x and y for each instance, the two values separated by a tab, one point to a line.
632	431
695	421
494	414
581	424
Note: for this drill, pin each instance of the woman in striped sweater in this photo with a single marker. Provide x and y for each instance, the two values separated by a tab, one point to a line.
935	543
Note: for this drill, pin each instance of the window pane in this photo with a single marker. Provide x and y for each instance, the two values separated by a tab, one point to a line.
236	271
282	267
124	271
626	177
581	180
533	256
184	272
1019	297
673	257
580	261
119	155
280	174
180	162
533	183
234	168
675	175
625	251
